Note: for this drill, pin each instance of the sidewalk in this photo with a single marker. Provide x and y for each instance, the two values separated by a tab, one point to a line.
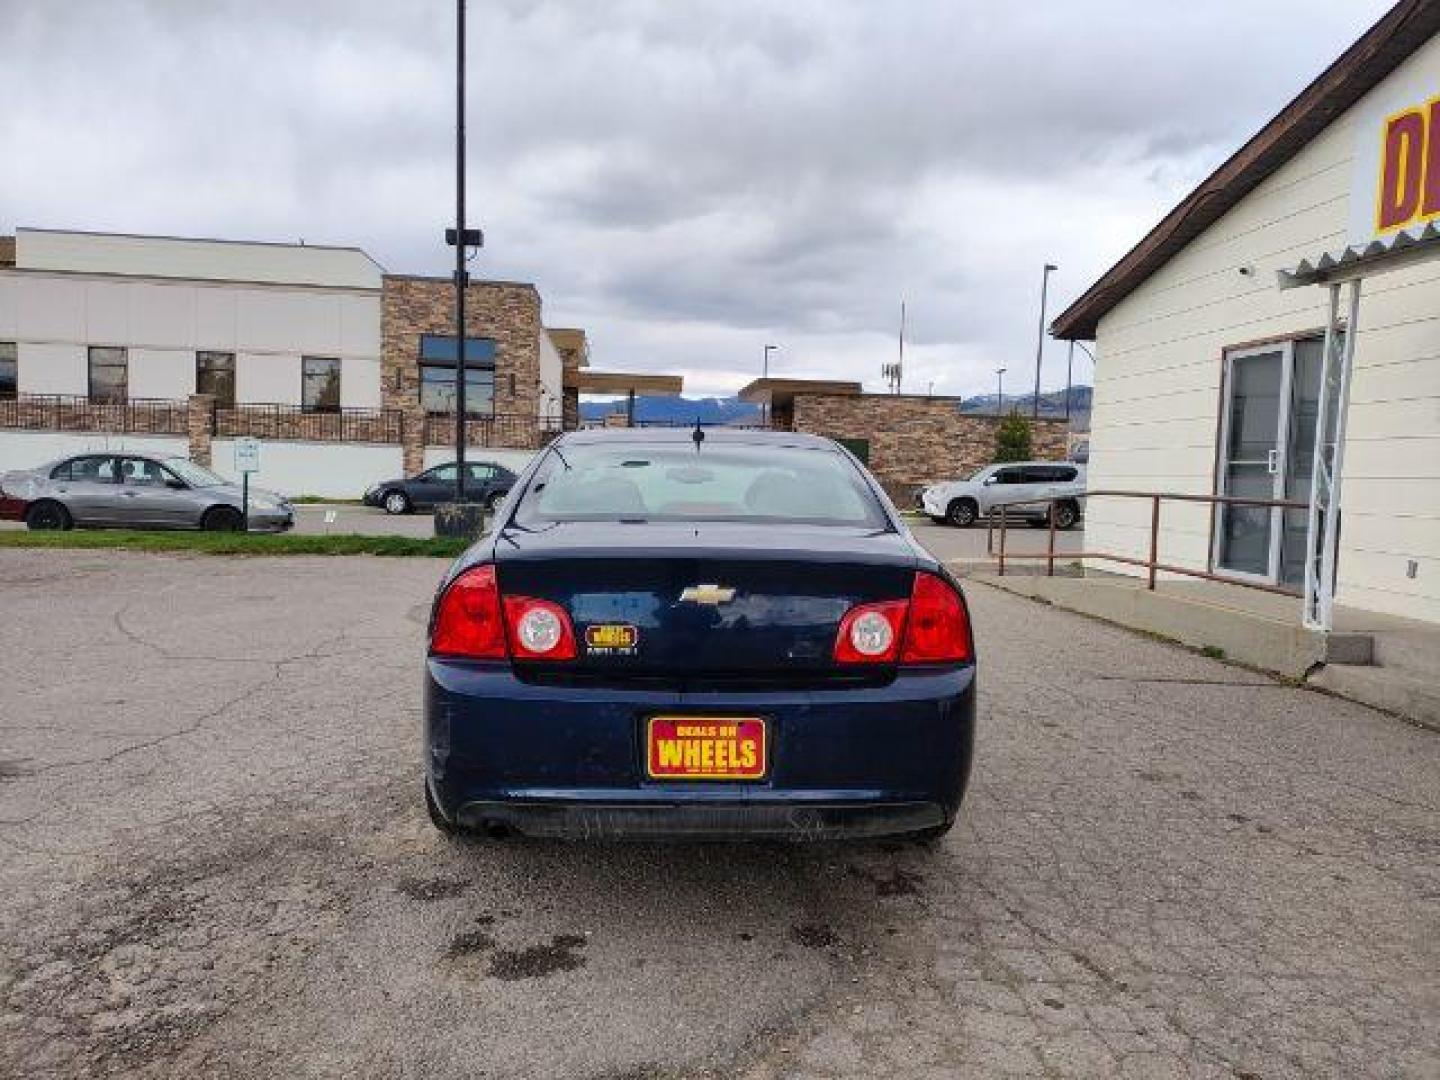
1379	660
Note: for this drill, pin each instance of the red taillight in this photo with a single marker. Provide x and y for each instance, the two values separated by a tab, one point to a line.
469	622
539	630
870	633
475	622
937	630
929	628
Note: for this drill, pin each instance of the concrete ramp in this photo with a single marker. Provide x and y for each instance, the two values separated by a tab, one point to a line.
1385	662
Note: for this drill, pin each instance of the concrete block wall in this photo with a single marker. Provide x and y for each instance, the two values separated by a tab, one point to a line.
917	441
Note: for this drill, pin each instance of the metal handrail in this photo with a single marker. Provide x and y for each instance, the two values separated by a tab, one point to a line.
1153	563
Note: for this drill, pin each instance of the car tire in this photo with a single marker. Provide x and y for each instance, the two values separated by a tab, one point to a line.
47	515
439	820
396	502
934	834
1067	515
223	519
961	513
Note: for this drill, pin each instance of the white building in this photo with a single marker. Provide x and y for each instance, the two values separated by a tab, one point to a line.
1209	373
104	339
239	318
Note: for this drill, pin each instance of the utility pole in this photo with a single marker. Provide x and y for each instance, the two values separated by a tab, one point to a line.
1000	391
765	374
900	362
1040	340
894	373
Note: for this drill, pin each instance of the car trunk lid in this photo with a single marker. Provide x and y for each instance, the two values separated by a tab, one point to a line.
704	599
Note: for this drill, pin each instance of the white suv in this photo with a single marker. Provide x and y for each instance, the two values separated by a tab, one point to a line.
962	502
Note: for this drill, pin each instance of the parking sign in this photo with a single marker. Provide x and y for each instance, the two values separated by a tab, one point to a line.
247	455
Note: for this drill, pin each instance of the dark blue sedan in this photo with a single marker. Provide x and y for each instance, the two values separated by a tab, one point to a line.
713	633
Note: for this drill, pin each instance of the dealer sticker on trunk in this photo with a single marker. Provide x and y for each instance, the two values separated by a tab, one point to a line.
705	748
611	639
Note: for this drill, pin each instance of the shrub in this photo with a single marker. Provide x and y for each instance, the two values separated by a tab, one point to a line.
1012	439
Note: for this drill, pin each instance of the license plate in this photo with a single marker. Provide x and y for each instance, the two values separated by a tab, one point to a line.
705	748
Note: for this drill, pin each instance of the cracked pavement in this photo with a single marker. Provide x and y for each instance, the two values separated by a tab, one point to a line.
215	862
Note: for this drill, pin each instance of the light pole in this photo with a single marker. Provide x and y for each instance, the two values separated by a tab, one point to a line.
1000	391
460	417
1040	339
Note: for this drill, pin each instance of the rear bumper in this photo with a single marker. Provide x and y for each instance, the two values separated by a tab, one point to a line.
12	509
569	761
602	817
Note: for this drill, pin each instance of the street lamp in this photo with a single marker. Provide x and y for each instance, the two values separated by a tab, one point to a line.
460	275
1040	339
1000	391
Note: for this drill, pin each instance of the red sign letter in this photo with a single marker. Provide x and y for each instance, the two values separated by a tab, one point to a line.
1401	170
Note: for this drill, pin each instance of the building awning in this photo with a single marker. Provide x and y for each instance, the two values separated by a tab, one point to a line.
781	392
587	381
1405	248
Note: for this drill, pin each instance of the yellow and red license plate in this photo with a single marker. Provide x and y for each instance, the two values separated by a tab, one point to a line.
705	748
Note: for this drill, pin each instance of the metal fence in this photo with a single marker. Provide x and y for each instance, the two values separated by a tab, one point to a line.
75	412
1152	564
510	431
291	422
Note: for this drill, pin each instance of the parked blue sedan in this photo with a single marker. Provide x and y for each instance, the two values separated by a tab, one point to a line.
709	633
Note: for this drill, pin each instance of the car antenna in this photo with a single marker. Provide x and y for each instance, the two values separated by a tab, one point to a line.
698	434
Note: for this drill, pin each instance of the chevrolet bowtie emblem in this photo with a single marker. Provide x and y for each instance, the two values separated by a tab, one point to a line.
708	594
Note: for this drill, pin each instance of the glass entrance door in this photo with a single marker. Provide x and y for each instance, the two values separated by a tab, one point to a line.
1268	446
1251	466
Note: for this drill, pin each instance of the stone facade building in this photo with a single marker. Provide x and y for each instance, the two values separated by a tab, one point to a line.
504	313
910	440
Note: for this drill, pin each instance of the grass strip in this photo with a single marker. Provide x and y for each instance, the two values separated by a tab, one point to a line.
221	543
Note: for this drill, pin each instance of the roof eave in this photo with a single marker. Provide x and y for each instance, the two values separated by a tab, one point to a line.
1406	27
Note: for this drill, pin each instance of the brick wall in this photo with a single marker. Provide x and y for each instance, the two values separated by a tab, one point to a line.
916	441
506	312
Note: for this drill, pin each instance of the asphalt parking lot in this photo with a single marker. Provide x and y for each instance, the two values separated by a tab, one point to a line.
216	863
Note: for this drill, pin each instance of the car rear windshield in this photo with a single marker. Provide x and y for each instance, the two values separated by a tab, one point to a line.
629	481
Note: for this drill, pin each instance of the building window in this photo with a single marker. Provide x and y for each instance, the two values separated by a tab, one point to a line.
109	375
320	384
9	370
437	375
437	390
215	375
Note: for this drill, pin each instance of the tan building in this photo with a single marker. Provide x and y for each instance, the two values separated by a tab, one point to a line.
1213	367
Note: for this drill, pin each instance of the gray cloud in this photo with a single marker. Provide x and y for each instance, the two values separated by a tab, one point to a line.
687	178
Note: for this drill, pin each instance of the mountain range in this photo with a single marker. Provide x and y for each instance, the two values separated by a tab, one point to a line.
731	410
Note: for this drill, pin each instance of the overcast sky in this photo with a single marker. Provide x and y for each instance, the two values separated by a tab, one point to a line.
687	180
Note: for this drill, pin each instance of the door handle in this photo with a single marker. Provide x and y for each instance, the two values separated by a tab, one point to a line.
1272	461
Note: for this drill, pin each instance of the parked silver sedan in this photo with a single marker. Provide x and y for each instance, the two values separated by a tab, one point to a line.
135	491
